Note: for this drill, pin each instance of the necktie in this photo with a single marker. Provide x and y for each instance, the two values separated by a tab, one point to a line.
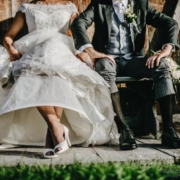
119	9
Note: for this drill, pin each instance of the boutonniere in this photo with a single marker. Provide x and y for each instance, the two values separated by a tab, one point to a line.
130	16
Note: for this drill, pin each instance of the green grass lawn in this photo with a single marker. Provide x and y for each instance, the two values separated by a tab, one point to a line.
98	171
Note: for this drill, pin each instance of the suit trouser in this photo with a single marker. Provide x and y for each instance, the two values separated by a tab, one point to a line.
136	68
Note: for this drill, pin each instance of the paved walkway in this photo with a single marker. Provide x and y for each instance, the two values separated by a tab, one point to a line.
150	151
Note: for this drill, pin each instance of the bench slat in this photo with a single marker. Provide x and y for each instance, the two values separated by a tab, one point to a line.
128	79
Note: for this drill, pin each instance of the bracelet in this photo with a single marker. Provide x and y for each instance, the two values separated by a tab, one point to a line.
89	63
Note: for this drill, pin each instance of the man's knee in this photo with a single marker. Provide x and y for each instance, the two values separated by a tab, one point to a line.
162	71
104	64
163	65
107	70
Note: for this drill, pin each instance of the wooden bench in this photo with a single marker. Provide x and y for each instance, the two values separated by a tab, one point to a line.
131	79
145	120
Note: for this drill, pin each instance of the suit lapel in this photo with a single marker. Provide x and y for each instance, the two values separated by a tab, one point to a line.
108	15
133	30
136	10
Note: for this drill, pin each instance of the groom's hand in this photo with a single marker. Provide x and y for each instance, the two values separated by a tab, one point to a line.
94	55
155	59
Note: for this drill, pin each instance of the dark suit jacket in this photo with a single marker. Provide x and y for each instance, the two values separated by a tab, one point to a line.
99	12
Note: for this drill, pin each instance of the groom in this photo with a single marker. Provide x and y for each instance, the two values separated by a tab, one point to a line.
120	35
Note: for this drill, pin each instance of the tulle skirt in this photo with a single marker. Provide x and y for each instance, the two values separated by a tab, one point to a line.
49	74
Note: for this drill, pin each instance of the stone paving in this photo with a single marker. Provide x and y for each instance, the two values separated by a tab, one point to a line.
149	151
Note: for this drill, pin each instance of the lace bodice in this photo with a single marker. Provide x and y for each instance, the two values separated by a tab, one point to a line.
51	16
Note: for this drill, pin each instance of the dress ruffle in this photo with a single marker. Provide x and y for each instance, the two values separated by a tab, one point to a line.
48	73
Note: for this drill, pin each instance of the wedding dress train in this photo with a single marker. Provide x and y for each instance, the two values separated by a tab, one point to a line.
49	74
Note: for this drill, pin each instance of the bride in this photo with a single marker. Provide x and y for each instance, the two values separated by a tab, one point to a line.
43	81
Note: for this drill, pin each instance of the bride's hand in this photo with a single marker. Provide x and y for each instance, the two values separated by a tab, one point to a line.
94	55
82	56
14	54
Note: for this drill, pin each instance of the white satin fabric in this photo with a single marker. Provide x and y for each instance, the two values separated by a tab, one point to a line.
49	74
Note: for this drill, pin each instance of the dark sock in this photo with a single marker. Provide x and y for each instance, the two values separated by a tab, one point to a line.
166	108
120	121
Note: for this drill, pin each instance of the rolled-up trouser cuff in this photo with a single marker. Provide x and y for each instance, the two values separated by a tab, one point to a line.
164	87
113	87
162	79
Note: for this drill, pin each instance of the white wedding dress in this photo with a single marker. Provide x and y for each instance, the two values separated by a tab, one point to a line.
49	74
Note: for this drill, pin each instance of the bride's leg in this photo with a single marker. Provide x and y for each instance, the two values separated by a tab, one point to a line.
58	111
55	128
49	142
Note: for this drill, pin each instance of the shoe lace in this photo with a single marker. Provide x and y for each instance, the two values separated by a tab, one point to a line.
127	134
172	130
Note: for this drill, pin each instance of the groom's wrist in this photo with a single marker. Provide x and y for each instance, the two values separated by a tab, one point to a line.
169	47
89	50
82	48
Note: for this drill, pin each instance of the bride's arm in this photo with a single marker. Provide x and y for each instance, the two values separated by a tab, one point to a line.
73	16
8	39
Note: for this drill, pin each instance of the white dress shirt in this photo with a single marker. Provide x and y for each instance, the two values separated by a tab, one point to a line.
119	7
